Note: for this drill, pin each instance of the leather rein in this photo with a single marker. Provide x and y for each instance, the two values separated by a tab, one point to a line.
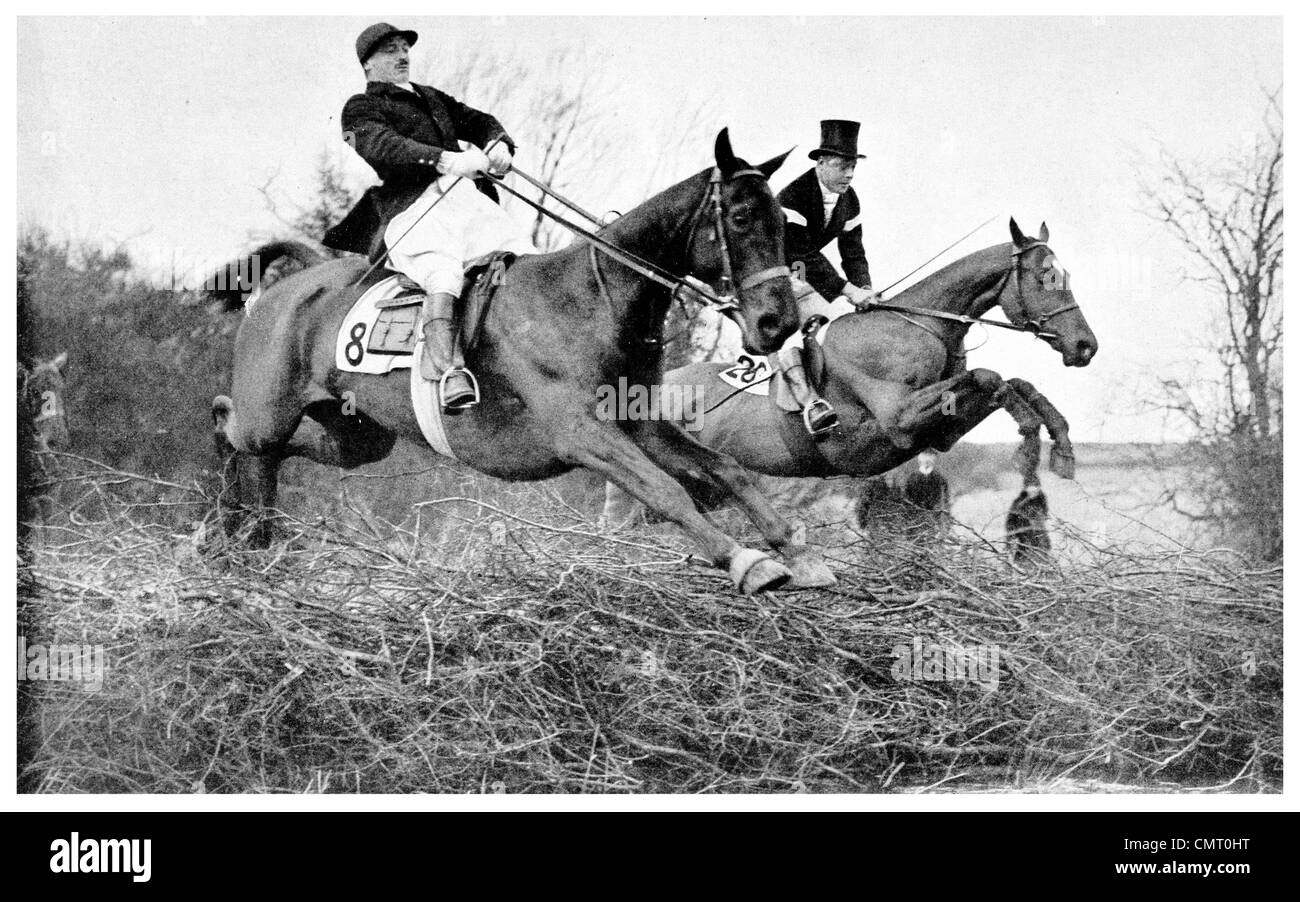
686	287
1020	320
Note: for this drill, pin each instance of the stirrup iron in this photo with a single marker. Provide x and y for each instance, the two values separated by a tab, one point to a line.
442	389
823	407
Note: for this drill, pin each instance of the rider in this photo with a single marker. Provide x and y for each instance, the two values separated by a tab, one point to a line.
410	135
819	205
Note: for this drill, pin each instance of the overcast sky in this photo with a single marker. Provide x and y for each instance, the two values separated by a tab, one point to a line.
158	131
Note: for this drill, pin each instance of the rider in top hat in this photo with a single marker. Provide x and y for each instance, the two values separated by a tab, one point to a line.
820	206
411	136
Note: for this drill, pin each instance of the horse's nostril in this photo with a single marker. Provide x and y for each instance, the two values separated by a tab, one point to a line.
769	323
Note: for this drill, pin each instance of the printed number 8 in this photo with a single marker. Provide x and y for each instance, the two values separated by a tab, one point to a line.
348	349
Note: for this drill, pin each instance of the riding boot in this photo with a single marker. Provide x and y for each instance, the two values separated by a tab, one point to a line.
818	415
441	361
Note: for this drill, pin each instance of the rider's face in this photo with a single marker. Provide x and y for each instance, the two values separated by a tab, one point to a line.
836	172
391	62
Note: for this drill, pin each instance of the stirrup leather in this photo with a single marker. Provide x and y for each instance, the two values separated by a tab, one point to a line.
442	388
820	406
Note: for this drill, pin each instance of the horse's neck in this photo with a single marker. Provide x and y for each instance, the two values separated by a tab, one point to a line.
657	231
969	287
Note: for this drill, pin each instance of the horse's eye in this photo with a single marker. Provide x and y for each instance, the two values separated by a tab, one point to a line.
740	220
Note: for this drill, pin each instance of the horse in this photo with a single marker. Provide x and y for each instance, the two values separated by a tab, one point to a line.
898	377
561	327
42	428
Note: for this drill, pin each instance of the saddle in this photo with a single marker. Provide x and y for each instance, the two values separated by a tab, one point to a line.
380	332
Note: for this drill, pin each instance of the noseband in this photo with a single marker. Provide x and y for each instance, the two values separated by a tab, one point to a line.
1020	314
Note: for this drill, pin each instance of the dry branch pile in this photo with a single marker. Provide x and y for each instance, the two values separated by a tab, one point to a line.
523	651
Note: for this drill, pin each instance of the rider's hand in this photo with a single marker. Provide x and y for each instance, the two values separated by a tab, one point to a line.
465	164
500	158
862	298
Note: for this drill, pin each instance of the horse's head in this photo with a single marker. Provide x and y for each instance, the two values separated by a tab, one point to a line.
739	238
40	392
1037	295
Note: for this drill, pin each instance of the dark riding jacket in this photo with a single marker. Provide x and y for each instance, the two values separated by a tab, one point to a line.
807	232
402	135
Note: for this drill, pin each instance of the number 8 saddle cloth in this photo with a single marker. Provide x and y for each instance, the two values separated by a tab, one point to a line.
382	332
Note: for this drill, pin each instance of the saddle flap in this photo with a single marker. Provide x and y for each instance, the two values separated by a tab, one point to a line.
483	276
781	394
394	331
407	292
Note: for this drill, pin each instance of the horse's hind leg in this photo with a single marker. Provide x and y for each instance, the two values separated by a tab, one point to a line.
1061	461
253	476
684	457
232	514
605	449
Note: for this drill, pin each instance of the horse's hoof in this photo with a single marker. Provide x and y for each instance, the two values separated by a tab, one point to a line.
810	572
1061	462
753	571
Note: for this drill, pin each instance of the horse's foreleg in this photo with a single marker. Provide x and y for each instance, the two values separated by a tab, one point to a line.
939	415
605	449
1061	461
620	508
682	456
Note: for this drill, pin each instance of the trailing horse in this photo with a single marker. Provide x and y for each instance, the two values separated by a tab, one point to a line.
898	377
561	327
42	428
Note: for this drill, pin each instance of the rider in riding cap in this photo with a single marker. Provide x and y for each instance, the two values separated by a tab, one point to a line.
819	206
410	135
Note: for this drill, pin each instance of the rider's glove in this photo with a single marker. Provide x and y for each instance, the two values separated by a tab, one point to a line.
862	298
500	158
466	163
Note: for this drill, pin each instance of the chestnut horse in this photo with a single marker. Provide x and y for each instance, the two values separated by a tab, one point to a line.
898	378
561	327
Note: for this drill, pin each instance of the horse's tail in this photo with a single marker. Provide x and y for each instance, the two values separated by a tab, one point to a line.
235	281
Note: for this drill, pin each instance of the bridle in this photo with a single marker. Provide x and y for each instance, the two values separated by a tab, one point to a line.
1018	312
1038	327
713	198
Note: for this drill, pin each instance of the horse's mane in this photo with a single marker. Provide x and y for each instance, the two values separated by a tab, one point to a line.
943	282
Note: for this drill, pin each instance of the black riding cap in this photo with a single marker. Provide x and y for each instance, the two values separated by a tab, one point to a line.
376	34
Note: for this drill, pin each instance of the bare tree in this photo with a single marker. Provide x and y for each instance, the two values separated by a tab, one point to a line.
326	203
554	113
1228	218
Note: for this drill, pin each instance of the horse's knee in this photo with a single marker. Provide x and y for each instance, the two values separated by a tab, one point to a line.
986	381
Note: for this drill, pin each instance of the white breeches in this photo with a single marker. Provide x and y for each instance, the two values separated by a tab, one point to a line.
465	224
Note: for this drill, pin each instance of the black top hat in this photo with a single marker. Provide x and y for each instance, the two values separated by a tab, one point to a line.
840	137
370	39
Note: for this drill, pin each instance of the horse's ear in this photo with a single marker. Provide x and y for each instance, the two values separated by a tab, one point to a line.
60	362
1017	236
723	155
771	166
1042	233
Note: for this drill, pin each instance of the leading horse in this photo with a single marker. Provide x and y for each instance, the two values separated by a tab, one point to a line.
561	327
898	378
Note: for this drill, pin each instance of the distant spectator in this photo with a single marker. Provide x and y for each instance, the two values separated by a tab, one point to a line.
1027	525
877	499
926	492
